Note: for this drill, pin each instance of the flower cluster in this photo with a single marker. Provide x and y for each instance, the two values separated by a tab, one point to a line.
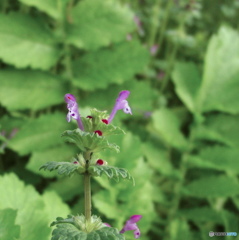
73	112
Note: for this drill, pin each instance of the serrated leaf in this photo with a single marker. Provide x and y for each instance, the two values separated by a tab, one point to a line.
26	43
8	229
46	89
201	214
68	231
221	128
91	28
219	90
111	172
60	153
95	123
53	8
31	214
187	81
218	157
168	125
88	141
100	68
63	168
39	134
213	186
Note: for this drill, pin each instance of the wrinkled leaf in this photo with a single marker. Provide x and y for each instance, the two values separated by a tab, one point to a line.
118	64
46	89
26	43
8	229
88	141
91	28
39	134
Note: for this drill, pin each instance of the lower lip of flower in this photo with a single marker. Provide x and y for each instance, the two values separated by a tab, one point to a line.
89	117
98	132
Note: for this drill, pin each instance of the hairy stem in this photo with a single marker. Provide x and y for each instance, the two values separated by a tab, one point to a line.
87	188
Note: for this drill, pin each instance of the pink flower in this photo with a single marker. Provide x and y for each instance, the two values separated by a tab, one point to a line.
121	103
131	225
73	112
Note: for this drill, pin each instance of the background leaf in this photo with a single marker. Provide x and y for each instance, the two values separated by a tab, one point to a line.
220	78
168	125
90	28
46	133
46	89
7	221
213	186
22	35
98	69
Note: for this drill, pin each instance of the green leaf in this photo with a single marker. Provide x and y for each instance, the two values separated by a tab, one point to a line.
88	141
111	172
39	134
54	205
26	43
60	153
220	158
8	229
63	168
118	64
187	81
168	125
99	23
201	215
78	228
179	230
67	188
219	90
46	89
158	159
68	231
31	215
213	186
53	8
221	128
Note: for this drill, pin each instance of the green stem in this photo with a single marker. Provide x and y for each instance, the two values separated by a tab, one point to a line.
87	188
179	185
165	22
169	68
154	23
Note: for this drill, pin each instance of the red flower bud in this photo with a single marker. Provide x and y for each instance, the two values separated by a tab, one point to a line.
99	162
105	121
98	132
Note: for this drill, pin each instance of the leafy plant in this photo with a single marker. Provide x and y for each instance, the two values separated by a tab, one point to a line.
90	138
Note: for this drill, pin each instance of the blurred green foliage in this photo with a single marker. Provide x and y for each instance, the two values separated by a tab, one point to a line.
182	141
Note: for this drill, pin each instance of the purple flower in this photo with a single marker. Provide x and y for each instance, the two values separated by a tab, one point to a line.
73	110
131	225
154	49
121	103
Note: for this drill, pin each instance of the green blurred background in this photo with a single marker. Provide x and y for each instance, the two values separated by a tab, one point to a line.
180	61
